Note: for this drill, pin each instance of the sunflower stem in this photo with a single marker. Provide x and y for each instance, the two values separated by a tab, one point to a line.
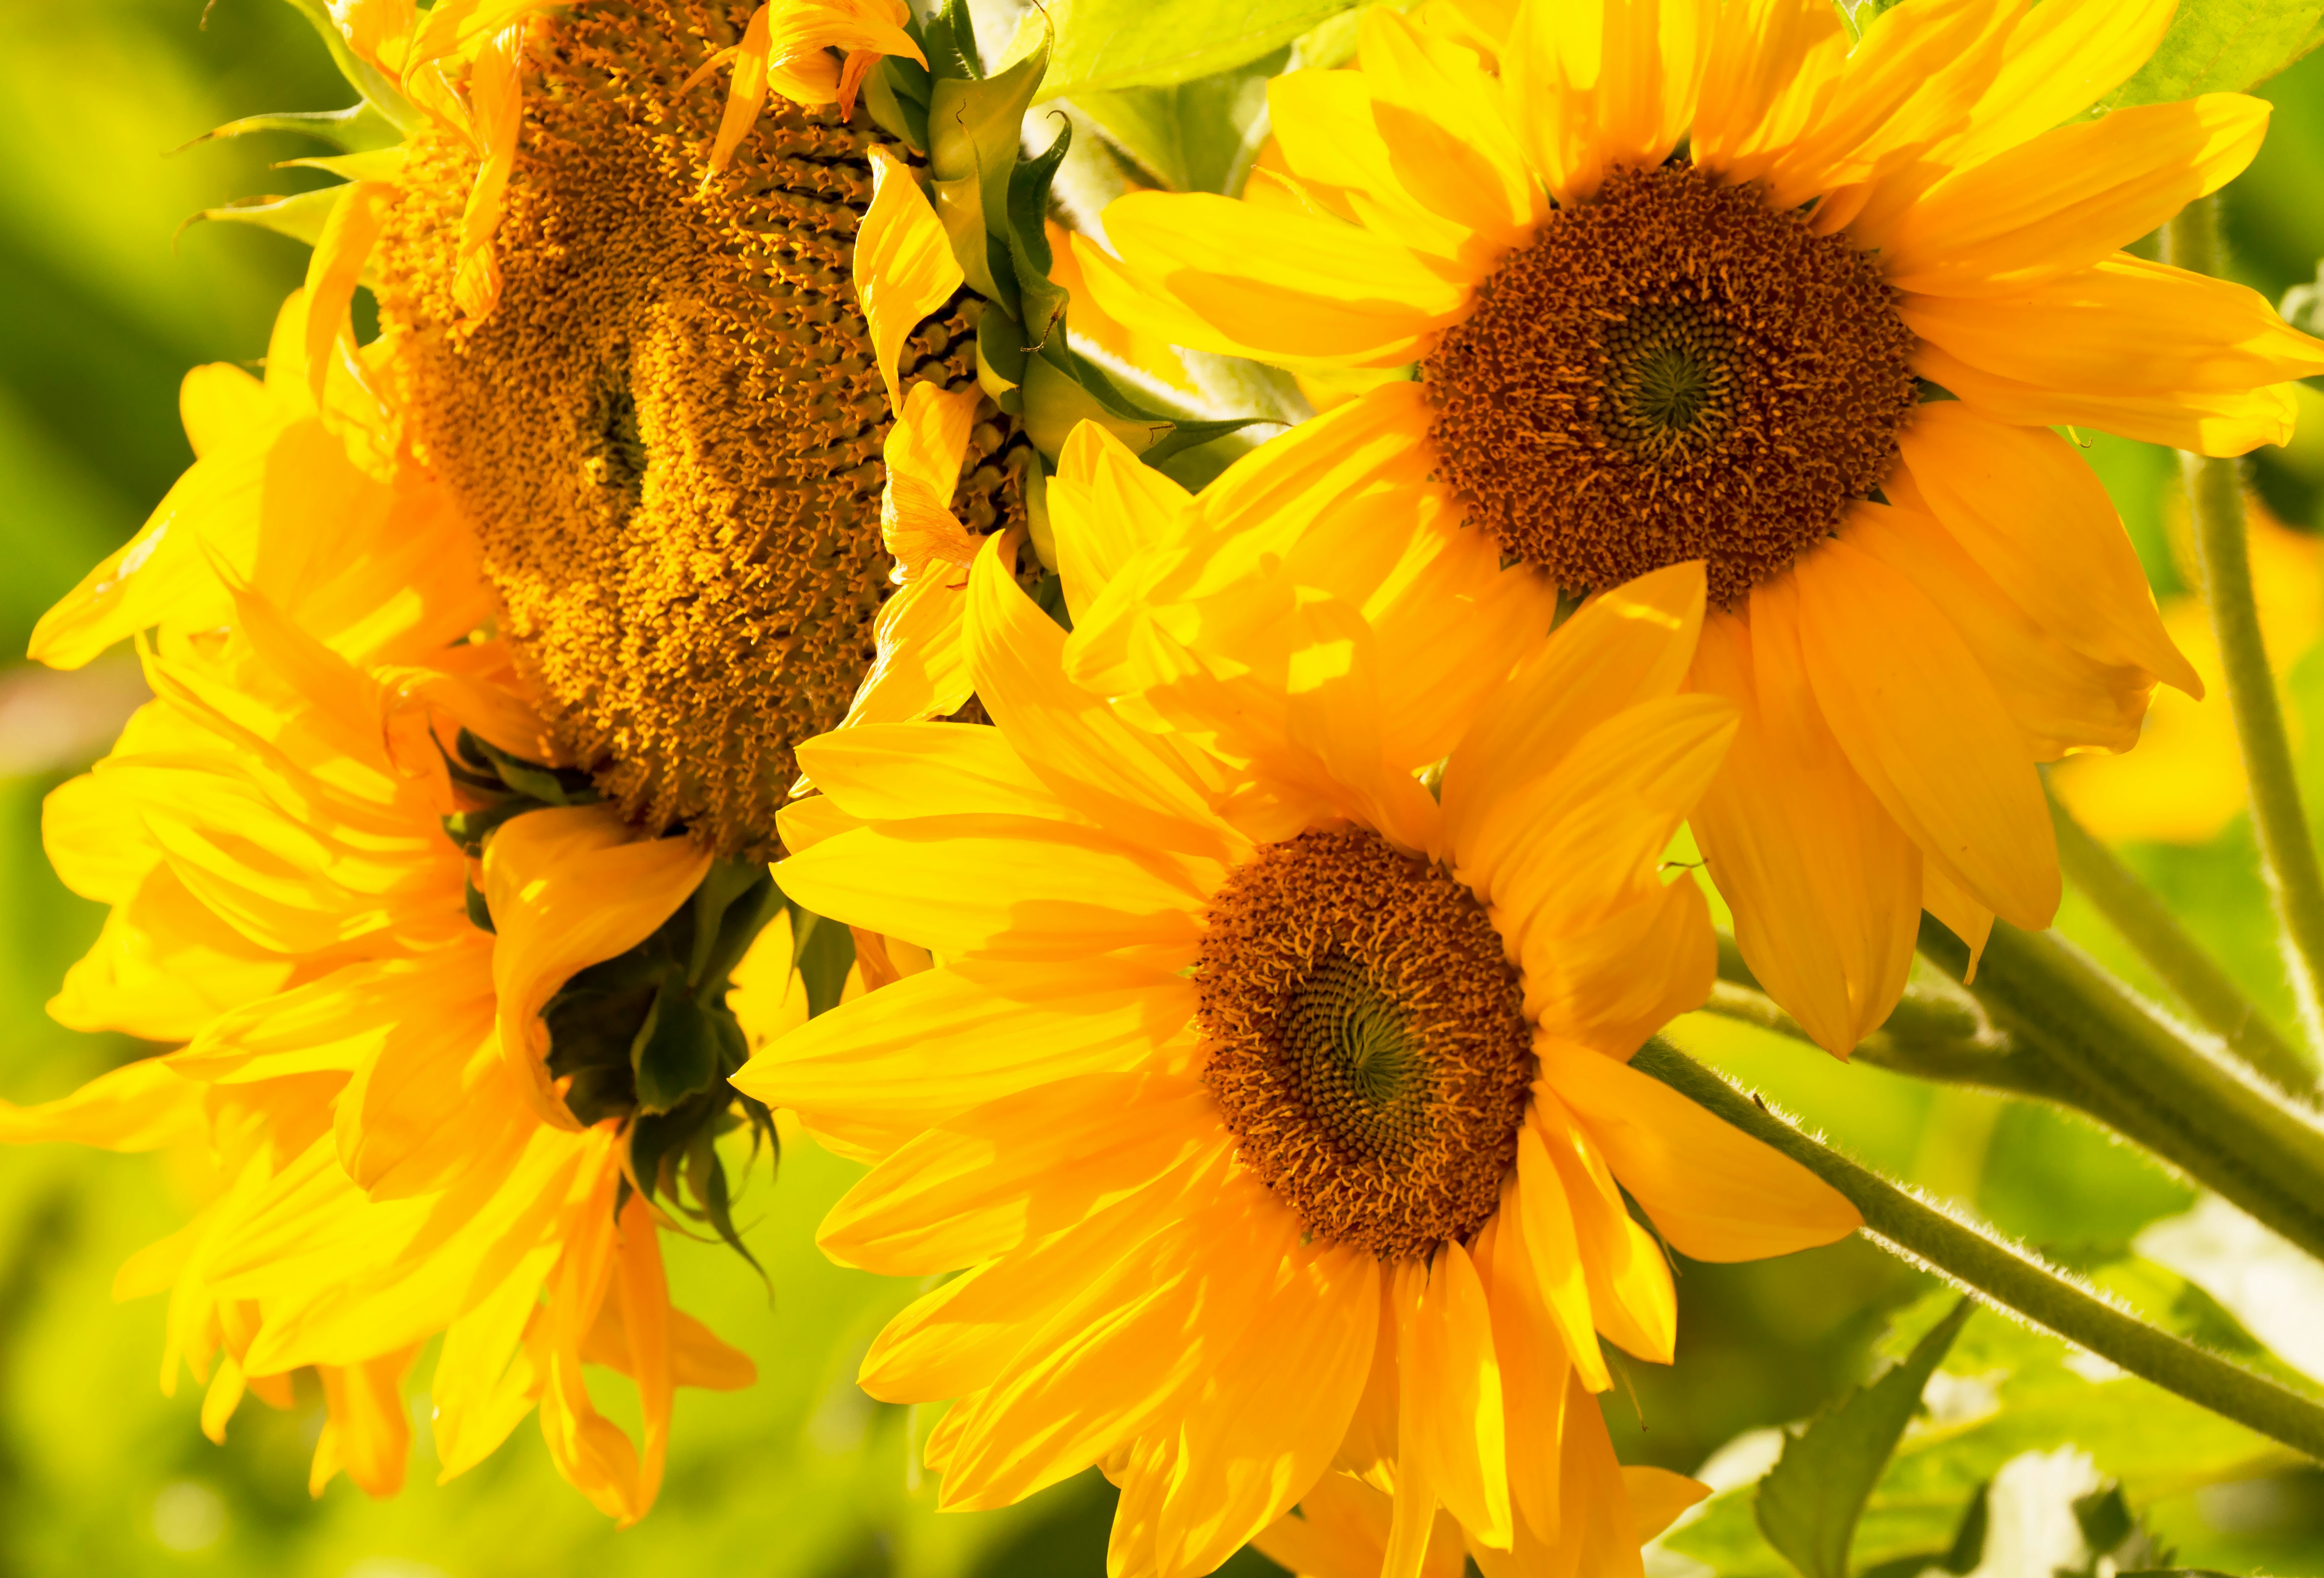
2003	1274
2091	1043
2130	906
2287	849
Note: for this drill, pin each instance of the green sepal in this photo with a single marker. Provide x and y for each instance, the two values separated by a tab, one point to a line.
480	914
1033	488
359	128
300	216
374	164
1042	302
534	781
1000	358
1064	389
974	133
378	90
823	952
675	1054
896	92
470	829
949	40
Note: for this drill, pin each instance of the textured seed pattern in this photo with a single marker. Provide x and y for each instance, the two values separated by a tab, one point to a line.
1366	1041
668	433
1672	370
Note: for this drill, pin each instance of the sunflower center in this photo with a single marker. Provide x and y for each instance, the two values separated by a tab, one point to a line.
1366	1041
667	432
1672	370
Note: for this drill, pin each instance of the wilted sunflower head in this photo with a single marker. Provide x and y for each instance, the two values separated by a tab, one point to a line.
668	430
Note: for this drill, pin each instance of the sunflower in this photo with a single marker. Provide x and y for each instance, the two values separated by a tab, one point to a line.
1651	282
454	1025
650	340
1278	1111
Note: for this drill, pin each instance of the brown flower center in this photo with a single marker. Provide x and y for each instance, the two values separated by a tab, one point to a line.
1672	370
1366	1041
667	432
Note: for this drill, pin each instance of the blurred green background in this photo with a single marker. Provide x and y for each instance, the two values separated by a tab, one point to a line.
106	306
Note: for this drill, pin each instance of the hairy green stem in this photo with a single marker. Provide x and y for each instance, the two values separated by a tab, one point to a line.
2006	1274
2131	907
2089	1042
2287	849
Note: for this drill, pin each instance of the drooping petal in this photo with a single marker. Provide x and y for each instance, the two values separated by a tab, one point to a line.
1824	886
1713	1191
1105	504
904	264
2032	514
1632	1300
1923	727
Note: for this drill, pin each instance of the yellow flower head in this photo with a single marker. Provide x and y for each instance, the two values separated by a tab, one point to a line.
1278	1110
442	1094
1719	281
651	342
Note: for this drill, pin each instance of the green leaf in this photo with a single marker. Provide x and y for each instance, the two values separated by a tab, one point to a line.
1808	1504
1198	137
2222	46
1106	45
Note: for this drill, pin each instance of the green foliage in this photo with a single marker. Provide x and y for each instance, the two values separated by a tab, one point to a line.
2012	1390
1808	1505
1197	136
2222	46
1107	45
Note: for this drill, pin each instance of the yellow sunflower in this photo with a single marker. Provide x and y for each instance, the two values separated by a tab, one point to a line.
1675	279
442	1092
1277	1112
649	340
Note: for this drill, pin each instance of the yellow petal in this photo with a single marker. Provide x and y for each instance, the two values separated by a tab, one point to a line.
1145	787
921	666
1632	1300
1125	1351
367	1430
165	966
2031	513
1017	887
873	1072
2125	326
1105	504
569	886
1021	1167
1945	898
1263	1428
1451	1402
1612	985
1713	1192
1601	83
2219	422
1824	886
1624	647
138	1106
2062	59
1581	840
1534	1370
334	267
886	771
904	265
1280	282
2058	699
1771	65
1448	134
2064	200
1922	727
1538	1221
496	101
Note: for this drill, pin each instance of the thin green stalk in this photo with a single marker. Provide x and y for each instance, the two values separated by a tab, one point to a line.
2102	1048
2131	907
2287	850
2006	1274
